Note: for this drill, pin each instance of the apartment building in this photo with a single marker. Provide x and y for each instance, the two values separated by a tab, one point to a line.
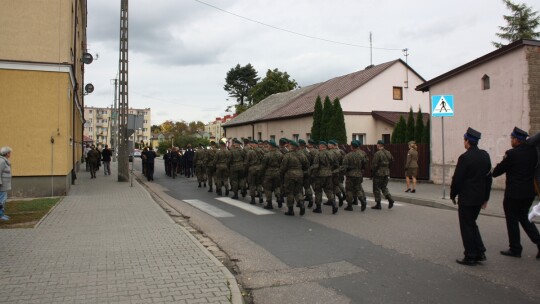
41	92
215	129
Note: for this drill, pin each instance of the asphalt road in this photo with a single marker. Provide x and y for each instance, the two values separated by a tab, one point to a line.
403	255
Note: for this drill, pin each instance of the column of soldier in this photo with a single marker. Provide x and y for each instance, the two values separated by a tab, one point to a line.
288	172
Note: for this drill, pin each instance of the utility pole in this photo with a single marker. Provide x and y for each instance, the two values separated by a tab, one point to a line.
123	144
370	50
406	54
114	131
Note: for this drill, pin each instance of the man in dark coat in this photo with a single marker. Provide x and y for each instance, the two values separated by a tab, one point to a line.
189	155
93	160
471	184
150	157
519	165
106	157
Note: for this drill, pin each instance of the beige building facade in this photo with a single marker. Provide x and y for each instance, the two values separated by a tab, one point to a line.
492	94
41	90
366	97
215	128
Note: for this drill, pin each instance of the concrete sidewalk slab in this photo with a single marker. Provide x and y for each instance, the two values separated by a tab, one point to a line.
107	242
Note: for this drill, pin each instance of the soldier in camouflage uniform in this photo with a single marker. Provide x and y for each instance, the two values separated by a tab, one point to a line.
352	167
210	166
361	195
337	176
322	170
292	169
283	142
222	161
270	166
308	194
244	184
261	151
313	151
200	160
252	164
382	160
237	168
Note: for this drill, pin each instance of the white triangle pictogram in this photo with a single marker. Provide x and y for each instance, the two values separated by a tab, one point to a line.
443	107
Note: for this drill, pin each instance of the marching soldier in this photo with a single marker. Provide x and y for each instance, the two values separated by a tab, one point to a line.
337	176
261	151
222	162
306	183
270	168
210	165
252	164
352	166
382	160
200	159
322	170
361	195
313	151
292	172
237	168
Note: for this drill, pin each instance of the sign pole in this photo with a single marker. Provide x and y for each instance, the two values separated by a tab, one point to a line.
443	162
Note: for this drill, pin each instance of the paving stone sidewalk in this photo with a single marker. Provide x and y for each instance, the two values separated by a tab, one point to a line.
107	242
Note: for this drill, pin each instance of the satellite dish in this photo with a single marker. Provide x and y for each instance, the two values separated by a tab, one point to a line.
89	88
87	58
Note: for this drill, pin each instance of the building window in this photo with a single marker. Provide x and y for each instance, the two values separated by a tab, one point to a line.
308	136
90	111
386	138
295	137
485	82
398	93
361	137
259	135
273	137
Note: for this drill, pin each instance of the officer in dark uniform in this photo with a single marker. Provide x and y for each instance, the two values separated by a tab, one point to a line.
519	165
471	185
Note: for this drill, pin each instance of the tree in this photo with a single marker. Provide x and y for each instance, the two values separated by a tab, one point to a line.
326	125
400	131
196	126
274	82
239	82
410	127
317	120
521	24
339	131
155	129
419	128
425	136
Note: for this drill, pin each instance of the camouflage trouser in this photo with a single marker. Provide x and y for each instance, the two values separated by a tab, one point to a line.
271	184
238	180
380	183
253	181
200	172
293	189
323	183
222	177
210	171
307	186
337	180
360	192
353	184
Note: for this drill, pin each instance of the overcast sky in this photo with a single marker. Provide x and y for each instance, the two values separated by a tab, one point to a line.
181	50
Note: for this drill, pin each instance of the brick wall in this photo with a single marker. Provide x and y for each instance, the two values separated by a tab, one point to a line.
533	59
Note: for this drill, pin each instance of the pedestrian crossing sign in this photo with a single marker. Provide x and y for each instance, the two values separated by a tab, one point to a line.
442	105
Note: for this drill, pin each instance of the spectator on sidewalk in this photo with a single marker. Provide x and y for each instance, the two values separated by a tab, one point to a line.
5	179
519	165
86	149
411	167
93	160
150	157
106	157
471	184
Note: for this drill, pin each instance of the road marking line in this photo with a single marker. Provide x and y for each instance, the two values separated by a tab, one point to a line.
244	206
386	203
210	209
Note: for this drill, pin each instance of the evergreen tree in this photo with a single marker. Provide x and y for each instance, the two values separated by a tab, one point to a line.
410	127
326	125
425	137
521	24
317	120
400	132
419	128
339	131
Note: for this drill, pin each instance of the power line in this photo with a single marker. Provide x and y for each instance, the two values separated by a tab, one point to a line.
293	32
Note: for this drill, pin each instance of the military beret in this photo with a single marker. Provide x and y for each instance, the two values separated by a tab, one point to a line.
322	142
254	142
519	134
272	143
260	141
265	141
236	141
355	143
380	142
311	142
412	142
246	140
283	140
294	143
472	135
302	142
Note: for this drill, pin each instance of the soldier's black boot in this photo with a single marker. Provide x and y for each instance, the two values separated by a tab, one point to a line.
310	203
261	198
226	191
390	203
252	200
363	204
199	185
349	207
218	191
377	206
268	205
302	208
334	207
235	196
244	193
317	209
210	188
355	201
204	185
280	201
290	212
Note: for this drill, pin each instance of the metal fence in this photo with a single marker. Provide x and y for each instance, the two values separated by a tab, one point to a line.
399	152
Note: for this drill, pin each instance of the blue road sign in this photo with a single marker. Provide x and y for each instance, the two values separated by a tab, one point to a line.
442	105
